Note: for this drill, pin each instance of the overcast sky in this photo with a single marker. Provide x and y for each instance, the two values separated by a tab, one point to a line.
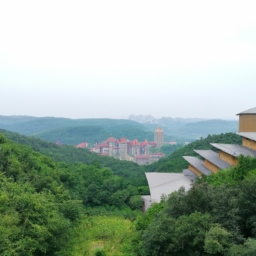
90	58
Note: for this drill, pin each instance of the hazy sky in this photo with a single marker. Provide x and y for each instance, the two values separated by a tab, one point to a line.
108	58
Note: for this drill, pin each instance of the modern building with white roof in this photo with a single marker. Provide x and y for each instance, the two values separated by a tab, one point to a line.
166	183
163	184
228	153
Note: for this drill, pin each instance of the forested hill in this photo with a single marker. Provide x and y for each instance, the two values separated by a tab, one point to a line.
205	128
70	154
42	200
175	162
31	125
93	134
75	131
195	130
57	208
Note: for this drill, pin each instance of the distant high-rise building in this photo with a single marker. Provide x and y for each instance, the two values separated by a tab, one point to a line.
159	137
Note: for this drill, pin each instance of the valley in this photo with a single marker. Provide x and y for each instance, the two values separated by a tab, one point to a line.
98	200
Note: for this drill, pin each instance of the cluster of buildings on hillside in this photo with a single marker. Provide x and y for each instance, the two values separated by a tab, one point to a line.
124	149
165	183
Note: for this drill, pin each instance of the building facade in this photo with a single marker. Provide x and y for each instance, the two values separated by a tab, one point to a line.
159	137
124	149
227	153
161	184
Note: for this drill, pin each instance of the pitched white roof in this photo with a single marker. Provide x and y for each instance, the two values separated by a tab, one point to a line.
166	183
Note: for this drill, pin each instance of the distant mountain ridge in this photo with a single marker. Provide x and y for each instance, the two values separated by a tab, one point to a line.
188	129
163	120
33	125
75	131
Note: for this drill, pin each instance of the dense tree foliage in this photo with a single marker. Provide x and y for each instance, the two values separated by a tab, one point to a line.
41	200
34	203
64	204
133	173
172	163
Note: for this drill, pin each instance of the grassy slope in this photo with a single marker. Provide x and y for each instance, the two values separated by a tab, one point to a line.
111	235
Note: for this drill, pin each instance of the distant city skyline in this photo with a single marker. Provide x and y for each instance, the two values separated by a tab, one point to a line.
111	59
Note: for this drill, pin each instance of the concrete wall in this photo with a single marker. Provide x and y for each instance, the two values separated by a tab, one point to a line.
147	202
211	166
247	123
228	158
249	143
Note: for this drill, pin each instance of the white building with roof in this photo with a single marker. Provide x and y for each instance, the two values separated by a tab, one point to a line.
166	183
163	184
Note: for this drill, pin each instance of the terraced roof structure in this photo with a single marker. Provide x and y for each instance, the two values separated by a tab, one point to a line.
251	111
248	135
235	150
164	184
198	164
213	157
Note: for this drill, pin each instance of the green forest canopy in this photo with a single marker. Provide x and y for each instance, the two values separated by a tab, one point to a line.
46	201
41	200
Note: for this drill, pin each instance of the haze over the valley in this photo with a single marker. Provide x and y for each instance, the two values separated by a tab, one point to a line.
95	59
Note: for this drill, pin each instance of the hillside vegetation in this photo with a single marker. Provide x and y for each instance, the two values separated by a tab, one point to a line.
173	162
31	125
94	134
42	200
75	131
62	206
69	154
